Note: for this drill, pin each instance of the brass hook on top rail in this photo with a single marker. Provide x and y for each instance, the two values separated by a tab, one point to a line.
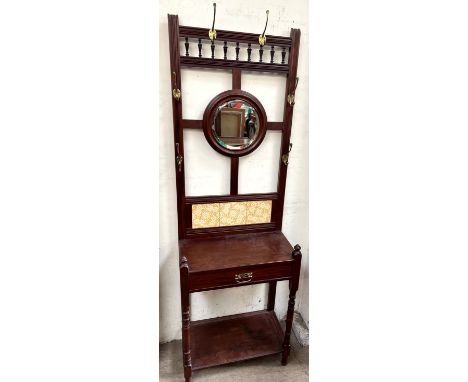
212	31
262	37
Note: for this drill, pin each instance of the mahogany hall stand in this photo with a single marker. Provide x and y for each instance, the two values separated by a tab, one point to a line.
225	256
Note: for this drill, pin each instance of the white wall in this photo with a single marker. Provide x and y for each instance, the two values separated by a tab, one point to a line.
207	172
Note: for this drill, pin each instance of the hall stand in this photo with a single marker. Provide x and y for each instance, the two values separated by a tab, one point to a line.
233	240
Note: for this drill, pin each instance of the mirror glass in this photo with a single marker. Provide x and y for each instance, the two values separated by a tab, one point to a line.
235	125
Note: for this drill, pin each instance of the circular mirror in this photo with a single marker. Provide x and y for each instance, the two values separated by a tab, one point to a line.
234	123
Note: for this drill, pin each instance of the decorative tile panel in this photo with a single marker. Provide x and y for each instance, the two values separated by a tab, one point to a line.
231	213
258	212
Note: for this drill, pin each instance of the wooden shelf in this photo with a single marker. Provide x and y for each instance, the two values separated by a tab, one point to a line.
235	338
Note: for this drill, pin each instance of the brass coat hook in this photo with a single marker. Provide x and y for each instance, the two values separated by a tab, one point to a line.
179	158
212	31
291	96
176	93
262	37
285	157
295	85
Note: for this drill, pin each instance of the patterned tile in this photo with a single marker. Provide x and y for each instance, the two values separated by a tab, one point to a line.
205	215
259	212
234	213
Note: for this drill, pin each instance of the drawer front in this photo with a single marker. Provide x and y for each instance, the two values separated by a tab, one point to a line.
239	276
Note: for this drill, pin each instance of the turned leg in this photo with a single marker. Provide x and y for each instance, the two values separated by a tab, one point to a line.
186	344
271	295
293	286
185	300
287	332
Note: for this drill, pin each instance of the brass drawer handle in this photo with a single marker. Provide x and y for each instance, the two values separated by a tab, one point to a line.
243	277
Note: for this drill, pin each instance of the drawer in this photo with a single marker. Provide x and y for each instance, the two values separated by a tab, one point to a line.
239	276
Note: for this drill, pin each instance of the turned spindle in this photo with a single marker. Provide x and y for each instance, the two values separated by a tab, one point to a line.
199	48
186	46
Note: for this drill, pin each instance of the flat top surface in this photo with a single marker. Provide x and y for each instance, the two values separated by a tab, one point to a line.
235	338
235	251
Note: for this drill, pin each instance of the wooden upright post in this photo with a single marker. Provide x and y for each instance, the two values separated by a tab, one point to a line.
293	286
176	83
287	122
185	303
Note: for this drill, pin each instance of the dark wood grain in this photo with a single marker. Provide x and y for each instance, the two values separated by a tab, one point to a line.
230	198
234	175
220	279
174	54
271	295
235	338
236	79
287	116
198	124
185	305
218	232
216	63
211	254
192	124
293	286
275	126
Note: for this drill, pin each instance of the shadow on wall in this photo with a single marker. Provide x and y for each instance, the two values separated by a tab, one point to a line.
169	299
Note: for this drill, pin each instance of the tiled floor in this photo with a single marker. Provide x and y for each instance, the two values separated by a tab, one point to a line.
265	369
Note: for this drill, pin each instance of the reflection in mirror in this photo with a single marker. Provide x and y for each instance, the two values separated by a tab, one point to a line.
235	125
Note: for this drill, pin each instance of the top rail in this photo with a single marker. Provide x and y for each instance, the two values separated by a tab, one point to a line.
223	35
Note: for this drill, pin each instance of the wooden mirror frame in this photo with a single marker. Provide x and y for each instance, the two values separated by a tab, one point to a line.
212	108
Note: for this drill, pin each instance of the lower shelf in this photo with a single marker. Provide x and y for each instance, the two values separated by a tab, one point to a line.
222	340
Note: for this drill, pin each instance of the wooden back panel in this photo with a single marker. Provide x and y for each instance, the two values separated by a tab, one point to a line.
285	47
